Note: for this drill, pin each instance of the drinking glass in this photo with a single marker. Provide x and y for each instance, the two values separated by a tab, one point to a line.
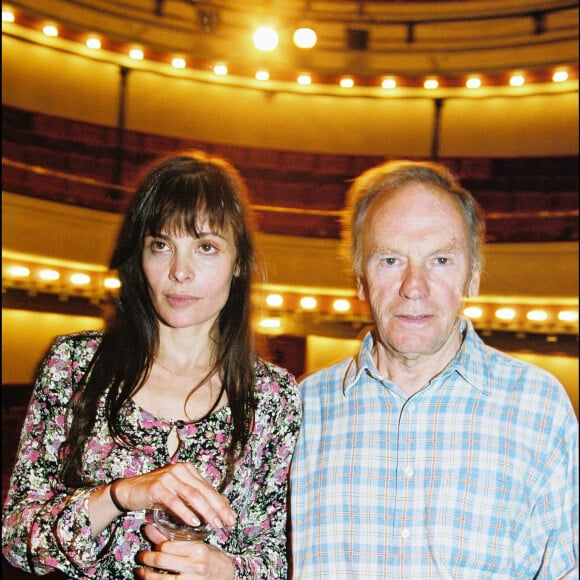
175	528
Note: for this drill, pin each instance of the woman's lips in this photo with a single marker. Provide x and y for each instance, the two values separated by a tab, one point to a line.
180	300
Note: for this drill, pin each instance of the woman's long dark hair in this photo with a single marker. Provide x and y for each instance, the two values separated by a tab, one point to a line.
178	194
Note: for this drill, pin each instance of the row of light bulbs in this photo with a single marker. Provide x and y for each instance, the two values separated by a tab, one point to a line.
306	302
266	39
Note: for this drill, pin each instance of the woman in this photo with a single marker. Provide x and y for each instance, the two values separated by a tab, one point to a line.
170	405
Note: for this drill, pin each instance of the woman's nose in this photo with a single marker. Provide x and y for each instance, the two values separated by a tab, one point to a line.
181	269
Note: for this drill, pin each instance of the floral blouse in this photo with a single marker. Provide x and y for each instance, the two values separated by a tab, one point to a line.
46	526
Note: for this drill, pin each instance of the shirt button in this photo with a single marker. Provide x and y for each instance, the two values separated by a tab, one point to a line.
409	472
405	534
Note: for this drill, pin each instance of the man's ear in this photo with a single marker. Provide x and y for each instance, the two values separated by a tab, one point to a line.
360	288
473	286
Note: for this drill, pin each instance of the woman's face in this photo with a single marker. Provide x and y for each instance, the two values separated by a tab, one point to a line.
189	277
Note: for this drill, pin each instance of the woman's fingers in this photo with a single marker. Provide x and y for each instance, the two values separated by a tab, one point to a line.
180	487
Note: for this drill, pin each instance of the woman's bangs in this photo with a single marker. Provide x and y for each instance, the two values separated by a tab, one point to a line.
185	207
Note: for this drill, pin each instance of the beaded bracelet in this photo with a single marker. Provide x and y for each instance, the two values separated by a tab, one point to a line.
114	499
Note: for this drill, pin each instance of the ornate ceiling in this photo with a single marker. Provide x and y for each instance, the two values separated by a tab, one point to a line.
367	39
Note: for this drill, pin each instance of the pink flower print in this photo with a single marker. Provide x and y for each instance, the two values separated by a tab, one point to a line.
31	454
213	471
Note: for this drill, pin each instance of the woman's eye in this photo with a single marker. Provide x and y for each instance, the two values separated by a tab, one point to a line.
207	248
390	261
158	246
442	261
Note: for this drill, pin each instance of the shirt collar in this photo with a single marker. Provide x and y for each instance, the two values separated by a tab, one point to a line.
470	362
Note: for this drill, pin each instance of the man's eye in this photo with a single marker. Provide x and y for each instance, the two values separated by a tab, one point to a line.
390	261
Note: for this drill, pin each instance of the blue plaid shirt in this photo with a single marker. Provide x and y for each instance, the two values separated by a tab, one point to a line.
475	476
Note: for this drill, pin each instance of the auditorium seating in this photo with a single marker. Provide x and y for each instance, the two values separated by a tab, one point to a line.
81	163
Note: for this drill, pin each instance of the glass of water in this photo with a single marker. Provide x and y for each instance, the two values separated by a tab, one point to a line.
175	528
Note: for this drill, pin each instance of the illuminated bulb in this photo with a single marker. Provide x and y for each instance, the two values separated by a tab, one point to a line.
505	313
560	76
431	84
48	275
262	75
220	69
346	83
304	37
265	39
136	54
568	316
19	271
304	79
537	315
473	312
50	30
274	300
80	279
93	43
473	83
178	62
7	15
341	305
389	83
111	283
270	323
308	302
517	80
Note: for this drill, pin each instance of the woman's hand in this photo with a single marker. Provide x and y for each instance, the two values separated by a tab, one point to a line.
189	560
178	486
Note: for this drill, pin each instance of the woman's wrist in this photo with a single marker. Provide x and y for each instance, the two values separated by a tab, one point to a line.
114	498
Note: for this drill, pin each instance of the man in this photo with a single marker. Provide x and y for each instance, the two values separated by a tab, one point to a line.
430	455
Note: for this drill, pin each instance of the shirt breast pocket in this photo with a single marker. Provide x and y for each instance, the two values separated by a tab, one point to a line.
474	521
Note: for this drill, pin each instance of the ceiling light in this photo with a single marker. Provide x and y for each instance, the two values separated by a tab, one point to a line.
48	275
111	283
308	302
473	83
346	83
262	75
270	323
220	69
274	300
537	315
304	37
341	305
178	62
7	15
80	279
18	271
431	84
568	316
136	54
505	313
517	80
389	83
304	79
473	312
265	39
560	76
93	42
50	30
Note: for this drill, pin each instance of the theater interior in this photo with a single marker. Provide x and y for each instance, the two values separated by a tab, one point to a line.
95	90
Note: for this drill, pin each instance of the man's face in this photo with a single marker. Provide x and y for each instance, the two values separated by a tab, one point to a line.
416	271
